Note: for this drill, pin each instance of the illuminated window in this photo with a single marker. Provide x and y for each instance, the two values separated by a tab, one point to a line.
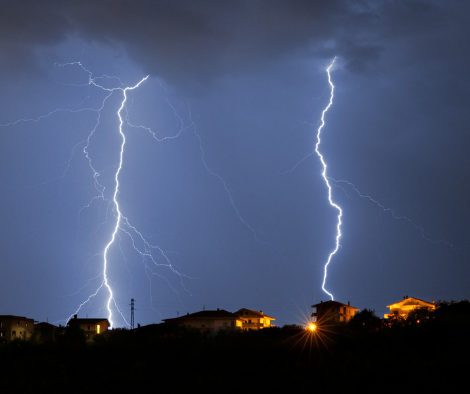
97	328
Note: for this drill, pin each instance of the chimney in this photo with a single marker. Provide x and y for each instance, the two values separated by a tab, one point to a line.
349	303
217	309
261	312
404	297
74	316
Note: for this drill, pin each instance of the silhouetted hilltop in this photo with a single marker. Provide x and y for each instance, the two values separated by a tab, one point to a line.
370	356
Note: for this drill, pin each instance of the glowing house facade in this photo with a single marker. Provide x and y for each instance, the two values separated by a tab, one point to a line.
253	320
403	308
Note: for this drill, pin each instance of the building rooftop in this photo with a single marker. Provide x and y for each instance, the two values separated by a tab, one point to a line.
93	320
411	301
250	313
219	313
332	303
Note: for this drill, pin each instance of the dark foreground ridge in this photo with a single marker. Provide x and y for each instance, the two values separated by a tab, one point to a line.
363	355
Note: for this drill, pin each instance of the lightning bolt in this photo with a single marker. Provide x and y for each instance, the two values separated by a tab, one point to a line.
337	183
101	188
326	179
121	224
324	176
116	203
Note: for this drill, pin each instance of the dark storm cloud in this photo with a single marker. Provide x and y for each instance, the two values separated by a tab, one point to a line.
194	42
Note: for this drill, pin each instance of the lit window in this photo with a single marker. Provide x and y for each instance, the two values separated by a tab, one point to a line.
97	328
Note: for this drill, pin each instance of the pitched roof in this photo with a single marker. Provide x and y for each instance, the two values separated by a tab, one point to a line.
88	320
44	325
411	301
14	317
250	313
331	304
208	315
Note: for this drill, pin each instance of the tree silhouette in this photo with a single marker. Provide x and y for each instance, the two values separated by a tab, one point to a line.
366	320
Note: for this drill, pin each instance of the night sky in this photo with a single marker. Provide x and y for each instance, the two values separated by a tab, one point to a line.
223	201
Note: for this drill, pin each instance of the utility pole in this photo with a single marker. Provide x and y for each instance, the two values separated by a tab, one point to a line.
132	313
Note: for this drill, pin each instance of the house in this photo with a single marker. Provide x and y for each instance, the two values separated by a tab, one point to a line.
91	326
13	327
331	312
253	320
404	307
208	321
45	331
